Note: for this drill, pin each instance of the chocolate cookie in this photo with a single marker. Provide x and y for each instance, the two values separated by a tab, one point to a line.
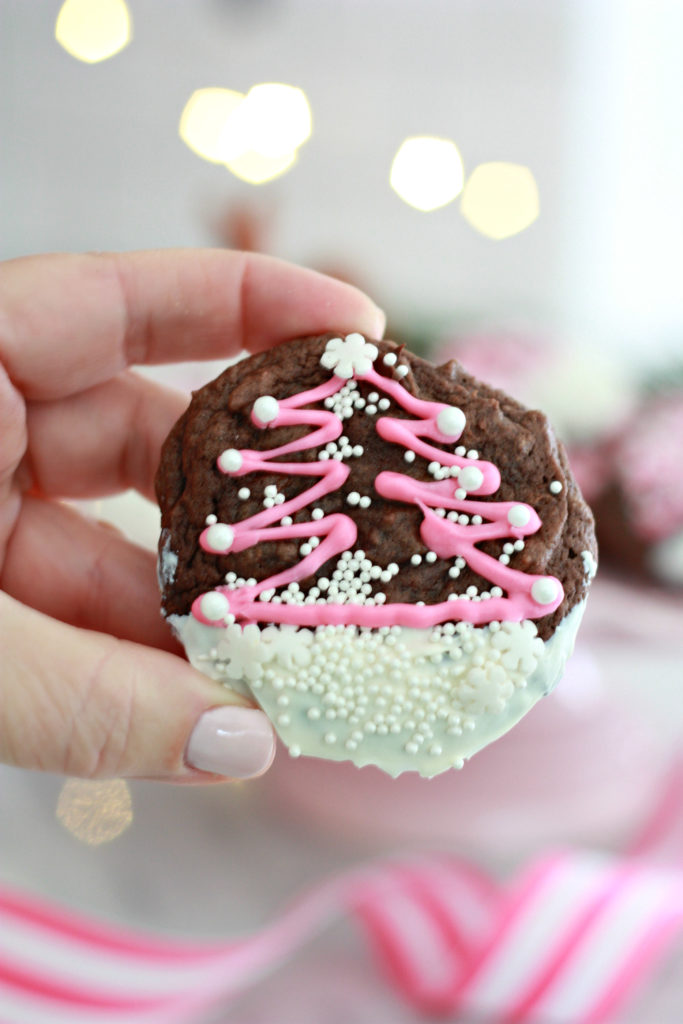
391	557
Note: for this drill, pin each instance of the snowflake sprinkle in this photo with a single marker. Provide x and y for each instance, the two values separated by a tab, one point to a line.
348	356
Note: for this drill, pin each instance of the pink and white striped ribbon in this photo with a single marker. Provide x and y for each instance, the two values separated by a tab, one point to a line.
565	942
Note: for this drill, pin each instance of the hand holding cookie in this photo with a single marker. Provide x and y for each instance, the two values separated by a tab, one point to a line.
92	684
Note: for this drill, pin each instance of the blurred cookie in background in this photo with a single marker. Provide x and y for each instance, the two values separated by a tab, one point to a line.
640	512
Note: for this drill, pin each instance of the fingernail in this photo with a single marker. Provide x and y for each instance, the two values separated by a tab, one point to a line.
232	741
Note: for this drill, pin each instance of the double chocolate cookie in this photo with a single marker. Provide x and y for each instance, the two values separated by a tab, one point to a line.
392	558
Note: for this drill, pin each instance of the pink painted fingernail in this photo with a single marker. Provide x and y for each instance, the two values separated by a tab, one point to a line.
232	741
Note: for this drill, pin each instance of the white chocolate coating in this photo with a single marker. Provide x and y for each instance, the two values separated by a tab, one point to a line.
402	699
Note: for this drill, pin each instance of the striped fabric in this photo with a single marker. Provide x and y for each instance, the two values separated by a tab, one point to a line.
567	941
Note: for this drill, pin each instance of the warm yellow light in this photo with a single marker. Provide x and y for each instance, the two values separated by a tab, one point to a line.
500	199
256	136
95	812
427	172
257	169
277	117
204	119
92	30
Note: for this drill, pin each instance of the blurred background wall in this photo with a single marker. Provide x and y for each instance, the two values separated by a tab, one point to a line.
586	94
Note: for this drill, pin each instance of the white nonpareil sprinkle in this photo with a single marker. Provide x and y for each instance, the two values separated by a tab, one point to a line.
419	686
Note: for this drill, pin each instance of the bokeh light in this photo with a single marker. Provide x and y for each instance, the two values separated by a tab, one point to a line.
256	136
95	812
204	120
275	119
92	30
500	199
427	172
256	169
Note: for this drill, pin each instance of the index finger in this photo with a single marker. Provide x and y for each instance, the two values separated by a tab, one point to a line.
68	322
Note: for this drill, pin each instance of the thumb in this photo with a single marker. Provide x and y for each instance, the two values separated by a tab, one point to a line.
88	705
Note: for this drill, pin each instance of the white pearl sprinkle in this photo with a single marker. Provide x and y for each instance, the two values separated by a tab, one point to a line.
544	590
230	461
389	359
409	455
555	487
451	421
243	493
470	478
519	515
266	409
214	606
219	537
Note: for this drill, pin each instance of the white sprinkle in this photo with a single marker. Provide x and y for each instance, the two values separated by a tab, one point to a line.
214	606
416	559
384	404
266	409
219	537
389	359
451	421
471	478
519	515
409	455
317	513
353	498
544	590
555	487
286	521
401	371
230	461
431	556
211	519
364	501
243	493
371	409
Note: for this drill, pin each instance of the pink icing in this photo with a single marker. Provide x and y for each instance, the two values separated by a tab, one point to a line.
251	603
